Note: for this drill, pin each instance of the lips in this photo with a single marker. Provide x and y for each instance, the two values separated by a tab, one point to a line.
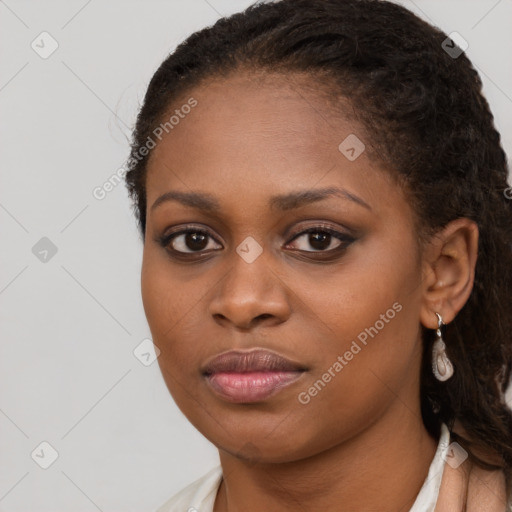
250	376
258	360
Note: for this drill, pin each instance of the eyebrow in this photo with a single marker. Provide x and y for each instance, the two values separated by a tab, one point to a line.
282	202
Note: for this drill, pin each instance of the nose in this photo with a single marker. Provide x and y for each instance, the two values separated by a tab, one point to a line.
250	294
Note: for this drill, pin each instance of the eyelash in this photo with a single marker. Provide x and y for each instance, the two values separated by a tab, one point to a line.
345	240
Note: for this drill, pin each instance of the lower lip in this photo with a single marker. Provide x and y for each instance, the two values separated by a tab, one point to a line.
251	386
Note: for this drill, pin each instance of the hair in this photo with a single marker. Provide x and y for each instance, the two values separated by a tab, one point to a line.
428	121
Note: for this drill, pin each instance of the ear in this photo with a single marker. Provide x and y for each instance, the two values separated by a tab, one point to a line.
449	262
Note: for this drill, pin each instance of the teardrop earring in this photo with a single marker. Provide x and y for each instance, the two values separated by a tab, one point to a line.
442	367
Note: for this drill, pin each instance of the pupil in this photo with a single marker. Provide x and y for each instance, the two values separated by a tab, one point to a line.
195	241
317	240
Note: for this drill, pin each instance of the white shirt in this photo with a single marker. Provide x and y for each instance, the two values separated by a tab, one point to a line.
200	495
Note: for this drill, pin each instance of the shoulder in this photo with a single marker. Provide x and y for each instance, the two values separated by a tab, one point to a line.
199	496
467	486
487	490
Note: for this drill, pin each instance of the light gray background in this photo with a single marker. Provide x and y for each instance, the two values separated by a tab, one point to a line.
69	326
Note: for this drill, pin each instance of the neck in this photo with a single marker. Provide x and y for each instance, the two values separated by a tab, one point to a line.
380	468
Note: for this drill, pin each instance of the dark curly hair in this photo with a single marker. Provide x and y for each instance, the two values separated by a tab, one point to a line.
428	122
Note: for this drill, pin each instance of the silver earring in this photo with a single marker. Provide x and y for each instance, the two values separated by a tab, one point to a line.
442	367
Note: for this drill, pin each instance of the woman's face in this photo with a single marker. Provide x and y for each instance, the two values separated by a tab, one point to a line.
342	302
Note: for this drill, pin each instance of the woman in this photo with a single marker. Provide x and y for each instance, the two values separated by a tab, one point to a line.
327	264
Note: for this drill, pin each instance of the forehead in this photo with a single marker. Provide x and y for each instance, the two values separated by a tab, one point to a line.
258	134
275	112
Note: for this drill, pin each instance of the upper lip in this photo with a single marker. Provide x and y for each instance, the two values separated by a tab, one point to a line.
240	361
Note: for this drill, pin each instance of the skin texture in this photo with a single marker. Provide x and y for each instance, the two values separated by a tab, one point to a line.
360	441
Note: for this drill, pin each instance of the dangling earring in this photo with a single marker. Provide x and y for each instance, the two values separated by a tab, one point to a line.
442	367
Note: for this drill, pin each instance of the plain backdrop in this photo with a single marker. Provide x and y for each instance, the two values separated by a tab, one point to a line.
71	312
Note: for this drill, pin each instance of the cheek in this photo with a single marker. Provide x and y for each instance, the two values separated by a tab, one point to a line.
369	309
165	303
174	304
167	307
156	293
375	275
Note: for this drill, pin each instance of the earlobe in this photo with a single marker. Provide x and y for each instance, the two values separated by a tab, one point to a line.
449	264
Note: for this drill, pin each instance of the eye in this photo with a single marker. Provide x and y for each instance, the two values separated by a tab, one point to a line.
323	239
316	239
188	241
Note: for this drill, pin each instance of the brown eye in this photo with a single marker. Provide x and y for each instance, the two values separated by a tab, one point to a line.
189	241
322	240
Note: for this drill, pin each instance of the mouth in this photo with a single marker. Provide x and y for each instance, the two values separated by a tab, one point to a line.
250	376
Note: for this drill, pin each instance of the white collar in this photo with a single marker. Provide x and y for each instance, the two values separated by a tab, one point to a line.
427	497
